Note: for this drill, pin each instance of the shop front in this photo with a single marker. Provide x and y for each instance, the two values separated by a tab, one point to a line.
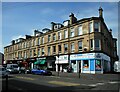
40	63
90	62
61	63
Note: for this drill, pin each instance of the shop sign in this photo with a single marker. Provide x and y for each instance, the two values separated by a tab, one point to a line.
62	58
82	56
40	58
102	56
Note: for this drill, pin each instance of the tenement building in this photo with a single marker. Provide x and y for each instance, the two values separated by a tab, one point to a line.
86	45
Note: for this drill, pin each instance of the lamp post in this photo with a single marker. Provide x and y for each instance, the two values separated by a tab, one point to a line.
58	64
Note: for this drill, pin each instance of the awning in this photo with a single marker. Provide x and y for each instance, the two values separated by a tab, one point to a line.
39	62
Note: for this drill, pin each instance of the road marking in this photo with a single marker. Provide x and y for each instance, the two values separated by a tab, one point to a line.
63	83
27	78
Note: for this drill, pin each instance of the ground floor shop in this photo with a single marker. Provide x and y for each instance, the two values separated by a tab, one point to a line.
61	63
90	63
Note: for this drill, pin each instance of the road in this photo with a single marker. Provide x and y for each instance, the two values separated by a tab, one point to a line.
29	82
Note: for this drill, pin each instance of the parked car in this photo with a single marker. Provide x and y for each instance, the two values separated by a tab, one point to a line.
41	72
3	72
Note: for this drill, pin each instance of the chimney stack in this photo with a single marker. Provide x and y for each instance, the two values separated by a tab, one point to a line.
100	12
52	25
73	19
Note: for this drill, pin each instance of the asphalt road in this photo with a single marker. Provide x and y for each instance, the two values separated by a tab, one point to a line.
30	83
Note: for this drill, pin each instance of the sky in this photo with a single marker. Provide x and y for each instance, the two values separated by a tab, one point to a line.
21	18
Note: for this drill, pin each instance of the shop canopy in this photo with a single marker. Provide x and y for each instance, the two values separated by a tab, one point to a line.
40	62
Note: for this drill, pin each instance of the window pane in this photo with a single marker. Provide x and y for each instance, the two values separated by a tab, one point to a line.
80	45
96	27
65	34
80	30
90	27
72	32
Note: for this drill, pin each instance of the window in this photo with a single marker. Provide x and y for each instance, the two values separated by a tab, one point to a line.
91	44
65	48
90	27
34	52
54	37
80	30
72	47
25	54
42	40
80	45
34	42
96	27
59	35
97	44
48	50
30	53
30	44
42	51
38	52
85	64
25	44
65	34
48	38
38	41
98	65
72	32
59	48
54	49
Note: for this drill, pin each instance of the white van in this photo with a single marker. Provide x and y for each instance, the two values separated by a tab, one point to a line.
12	68
117	66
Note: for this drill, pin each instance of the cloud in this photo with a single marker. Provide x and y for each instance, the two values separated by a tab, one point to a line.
17	37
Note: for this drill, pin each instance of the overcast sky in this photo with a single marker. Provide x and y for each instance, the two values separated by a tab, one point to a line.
21	18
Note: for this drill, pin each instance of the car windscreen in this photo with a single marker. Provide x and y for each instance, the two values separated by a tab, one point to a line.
15	66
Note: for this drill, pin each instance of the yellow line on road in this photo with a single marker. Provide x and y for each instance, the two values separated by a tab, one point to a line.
63	83
27	78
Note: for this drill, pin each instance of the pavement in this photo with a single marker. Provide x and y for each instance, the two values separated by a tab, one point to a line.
85	76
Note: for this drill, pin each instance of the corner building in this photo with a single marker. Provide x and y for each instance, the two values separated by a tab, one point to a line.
86	45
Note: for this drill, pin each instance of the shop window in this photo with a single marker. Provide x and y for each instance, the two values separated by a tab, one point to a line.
85	64
98	65
73	61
